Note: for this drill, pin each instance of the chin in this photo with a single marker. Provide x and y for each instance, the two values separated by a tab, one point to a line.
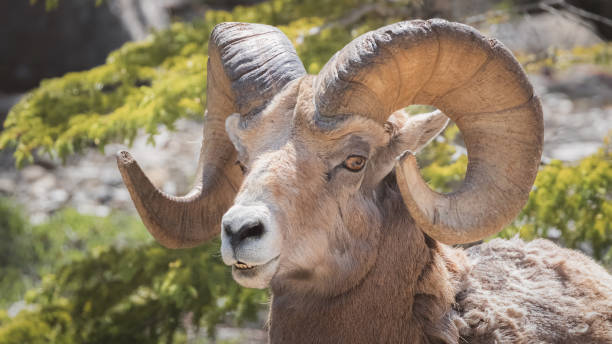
258	276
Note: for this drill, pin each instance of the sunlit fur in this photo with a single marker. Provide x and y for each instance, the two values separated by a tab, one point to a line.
354	267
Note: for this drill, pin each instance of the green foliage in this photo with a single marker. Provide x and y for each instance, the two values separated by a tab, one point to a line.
559	59
69	236
443	166
145	294
30	251
103	282
13	225
34	328
142	85
16	253
574	201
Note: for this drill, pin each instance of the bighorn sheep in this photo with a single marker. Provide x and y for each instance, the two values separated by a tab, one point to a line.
317	195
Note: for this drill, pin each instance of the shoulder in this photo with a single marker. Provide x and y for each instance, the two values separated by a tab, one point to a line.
536	291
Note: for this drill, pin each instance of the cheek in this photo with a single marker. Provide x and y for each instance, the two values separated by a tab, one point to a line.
307	227
345	185
321	222
364	217
323	215
300	204
360	232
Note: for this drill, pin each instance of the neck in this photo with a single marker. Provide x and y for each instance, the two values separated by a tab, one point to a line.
407	295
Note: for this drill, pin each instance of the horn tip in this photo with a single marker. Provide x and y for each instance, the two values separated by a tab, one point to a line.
124	158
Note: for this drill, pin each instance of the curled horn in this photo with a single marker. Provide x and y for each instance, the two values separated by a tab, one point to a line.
475	81
248	64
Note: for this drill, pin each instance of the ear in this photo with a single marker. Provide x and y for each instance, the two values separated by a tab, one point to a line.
408	133
232	123
415	132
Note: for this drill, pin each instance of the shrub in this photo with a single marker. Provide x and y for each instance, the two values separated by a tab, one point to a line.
571	204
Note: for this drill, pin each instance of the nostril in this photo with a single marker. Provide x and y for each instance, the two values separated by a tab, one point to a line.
250	230
228	230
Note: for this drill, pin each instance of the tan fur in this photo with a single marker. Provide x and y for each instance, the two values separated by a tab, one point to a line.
516	292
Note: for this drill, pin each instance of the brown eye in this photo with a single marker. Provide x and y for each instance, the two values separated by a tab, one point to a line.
354	163
242	167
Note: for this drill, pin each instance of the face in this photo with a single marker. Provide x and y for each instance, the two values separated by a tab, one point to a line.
306	218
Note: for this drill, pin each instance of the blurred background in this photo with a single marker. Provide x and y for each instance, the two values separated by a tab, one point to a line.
81	79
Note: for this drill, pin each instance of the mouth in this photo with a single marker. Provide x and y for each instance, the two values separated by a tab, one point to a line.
242	266
255	276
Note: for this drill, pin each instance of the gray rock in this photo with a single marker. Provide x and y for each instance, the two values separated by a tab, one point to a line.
32	172
7	185
538	33
43	185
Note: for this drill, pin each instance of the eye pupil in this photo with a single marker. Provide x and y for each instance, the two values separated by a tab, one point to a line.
354	163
